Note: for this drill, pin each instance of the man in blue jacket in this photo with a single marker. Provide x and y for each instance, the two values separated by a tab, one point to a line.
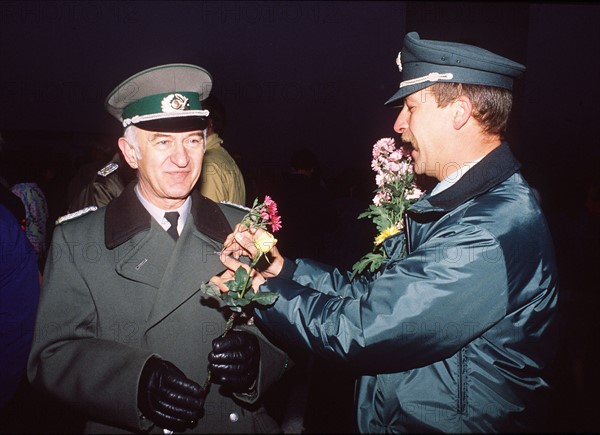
457	329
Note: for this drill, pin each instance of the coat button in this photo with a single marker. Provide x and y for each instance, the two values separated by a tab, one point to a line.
233	417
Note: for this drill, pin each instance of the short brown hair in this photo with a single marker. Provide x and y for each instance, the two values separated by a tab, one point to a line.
491	105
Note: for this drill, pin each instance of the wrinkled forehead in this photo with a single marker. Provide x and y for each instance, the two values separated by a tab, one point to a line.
171	135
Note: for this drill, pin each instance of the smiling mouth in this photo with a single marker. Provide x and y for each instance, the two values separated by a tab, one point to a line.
178	174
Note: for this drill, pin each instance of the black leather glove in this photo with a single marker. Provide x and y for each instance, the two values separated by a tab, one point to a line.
234	361
167	397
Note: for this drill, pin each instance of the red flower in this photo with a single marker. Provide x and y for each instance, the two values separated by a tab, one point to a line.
275	223
270	215
263	214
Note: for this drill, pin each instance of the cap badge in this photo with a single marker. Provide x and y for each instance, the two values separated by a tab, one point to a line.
174	103
399	61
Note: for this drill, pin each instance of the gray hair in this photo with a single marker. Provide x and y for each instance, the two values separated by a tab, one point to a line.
130	135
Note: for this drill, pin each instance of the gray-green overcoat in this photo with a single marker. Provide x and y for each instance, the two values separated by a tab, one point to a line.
117	290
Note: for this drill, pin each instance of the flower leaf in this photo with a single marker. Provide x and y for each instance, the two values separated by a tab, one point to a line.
210	289
265	298
249	295
241	277
229	299
232	286
242	302
372	260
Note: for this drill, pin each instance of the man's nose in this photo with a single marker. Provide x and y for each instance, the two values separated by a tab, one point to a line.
180	156
401	123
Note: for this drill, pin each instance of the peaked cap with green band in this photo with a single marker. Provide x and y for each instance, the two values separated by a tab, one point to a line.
163	98
424	62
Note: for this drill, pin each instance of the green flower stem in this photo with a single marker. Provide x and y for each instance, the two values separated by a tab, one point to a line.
243	292
206	383
232	317
229	324
246	286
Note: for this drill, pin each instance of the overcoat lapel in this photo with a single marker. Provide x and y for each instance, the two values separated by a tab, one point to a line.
148	256
152	257
192	261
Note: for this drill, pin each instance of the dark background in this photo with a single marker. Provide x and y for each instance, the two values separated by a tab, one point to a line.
294	74
316	74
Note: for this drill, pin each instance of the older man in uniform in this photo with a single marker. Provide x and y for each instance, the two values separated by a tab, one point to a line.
123	334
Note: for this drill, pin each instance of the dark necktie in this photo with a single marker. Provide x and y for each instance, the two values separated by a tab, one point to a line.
171	217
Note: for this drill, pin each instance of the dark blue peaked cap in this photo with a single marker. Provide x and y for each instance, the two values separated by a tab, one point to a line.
424	62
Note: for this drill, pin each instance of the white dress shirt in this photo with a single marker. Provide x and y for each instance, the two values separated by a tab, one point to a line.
159	214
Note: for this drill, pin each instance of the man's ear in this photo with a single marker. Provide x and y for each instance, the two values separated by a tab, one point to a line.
463	109
128	152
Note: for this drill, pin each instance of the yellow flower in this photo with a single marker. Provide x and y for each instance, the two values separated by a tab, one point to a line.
264	242
385	234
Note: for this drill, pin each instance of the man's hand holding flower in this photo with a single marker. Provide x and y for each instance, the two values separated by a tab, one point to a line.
249	242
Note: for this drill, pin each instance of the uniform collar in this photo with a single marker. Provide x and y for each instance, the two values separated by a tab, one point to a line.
159	214
490	171
126	216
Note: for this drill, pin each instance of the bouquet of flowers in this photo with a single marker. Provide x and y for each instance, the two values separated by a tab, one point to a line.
396	191
260	215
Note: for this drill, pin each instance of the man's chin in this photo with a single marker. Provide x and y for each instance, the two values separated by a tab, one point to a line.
418	167
180	193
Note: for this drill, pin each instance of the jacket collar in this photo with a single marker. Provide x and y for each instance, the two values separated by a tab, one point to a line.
492	170
213	141
126	216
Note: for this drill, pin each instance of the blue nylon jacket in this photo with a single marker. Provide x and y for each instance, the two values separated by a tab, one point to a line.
457	329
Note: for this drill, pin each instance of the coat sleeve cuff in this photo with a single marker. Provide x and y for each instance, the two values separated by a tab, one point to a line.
288	269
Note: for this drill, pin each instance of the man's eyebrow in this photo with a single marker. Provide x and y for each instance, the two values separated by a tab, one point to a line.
157	135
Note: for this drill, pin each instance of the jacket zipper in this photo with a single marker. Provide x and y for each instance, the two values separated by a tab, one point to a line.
407	234
461	403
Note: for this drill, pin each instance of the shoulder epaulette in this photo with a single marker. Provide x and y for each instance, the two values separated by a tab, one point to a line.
234	205
75	214
108	169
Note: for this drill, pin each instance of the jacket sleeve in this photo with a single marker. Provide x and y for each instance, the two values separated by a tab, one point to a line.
274	363
221	179
418	309
19	293
70	360
98	192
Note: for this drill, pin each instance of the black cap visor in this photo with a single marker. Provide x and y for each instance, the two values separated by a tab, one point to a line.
174	125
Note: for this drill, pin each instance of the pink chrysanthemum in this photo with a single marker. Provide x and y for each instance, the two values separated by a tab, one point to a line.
396	191
270	215
275	223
